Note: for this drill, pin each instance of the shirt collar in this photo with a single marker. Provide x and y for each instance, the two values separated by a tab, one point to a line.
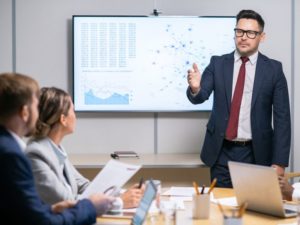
252	58
59	151
19	140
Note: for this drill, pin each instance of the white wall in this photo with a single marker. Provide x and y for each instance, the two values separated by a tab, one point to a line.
5	35
44	51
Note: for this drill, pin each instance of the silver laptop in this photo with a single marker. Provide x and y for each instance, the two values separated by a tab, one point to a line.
259	187
141	211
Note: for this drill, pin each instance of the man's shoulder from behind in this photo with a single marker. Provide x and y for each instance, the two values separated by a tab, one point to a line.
6	138
7	143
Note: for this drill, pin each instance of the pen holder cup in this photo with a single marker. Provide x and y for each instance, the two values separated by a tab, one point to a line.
168	210
201	206
233	221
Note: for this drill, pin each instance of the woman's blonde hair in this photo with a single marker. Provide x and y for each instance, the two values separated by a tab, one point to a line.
53	103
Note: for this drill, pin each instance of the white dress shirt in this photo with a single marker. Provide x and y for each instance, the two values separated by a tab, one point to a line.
244	126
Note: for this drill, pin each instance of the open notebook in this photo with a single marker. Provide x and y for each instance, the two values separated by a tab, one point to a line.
141	211
259	187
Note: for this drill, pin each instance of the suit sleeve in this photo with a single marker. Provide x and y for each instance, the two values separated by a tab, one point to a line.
81	181
49	186
23	204
206	85
281	120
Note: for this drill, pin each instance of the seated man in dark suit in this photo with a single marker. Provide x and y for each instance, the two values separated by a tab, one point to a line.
19	201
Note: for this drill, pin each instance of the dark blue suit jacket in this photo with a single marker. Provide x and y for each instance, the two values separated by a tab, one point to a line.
19	202
271	144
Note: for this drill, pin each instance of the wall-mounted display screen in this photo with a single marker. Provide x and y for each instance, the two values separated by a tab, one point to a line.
140	63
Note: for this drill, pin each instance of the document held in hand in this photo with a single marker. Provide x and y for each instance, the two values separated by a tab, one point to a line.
114	174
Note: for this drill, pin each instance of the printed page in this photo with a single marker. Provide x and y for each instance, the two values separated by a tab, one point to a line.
115	173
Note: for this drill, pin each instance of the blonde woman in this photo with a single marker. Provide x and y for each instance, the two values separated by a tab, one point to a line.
56	178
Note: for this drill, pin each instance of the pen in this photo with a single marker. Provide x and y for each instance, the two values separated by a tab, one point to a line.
141	183
196	187
212	185
202	190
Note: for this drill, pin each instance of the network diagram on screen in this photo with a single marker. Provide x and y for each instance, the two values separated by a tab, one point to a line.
139	63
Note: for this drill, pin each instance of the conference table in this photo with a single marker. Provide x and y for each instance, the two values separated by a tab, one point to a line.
184	217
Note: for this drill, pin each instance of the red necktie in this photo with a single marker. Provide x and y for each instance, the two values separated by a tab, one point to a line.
232	127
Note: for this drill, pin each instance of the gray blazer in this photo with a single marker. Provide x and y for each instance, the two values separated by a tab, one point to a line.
49	179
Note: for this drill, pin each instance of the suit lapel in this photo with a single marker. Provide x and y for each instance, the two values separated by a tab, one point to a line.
70	178
50	156
259	77
228	76
55	165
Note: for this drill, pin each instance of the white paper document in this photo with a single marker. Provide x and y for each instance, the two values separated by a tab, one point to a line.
183	194
229	201
182	191
114	173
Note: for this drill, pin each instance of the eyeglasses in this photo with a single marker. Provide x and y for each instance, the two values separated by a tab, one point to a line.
250	33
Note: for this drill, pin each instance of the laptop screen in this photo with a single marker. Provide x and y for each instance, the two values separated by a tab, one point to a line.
145	203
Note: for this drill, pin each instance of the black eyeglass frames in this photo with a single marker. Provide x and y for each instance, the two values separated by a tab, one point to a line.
250	33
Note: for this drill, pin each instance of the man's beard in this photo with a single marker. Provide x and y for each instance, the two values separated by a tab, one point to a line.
30	125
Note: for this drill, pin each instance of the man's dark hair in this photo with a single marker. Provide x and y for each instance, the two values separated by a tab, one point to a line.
250	14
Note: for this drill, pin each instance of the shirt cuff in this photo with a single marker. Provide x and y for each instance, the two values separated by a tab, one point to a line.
193	94
296	192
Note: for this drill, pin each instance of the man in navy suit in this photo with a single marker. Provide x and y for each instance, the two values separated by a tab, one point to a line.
19	202
263	125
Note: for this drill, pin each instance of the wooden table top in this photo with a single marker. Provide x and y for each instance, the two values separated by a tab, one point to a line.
184	217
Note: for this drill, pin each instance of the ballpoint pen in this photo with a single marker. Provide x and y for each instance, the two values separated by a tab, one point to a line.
202	190
141	183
